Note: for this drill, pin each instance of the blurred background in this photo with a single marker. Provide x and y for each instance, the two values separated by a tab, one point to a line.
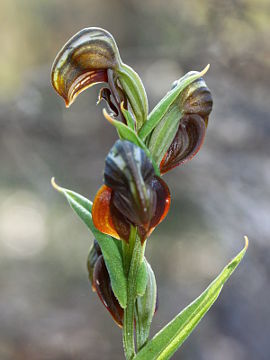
47	309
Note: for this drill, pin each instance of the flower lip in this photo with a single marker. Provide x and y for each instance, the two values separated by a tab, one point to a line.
101	212
83	62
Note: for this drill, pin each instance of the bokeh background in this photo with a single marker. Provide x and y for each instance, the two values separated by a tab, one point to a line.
47	310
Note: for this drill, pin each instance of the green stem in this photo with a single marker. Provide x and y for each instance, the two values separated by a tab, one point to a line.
128	324
139	334
128	249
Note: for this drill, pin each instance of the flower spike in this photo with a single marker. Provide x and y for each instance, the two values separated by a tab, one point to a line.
134	199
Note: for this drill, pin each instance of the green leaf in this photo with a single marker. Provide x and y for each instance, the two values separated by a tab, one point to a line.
164	133
170	338
145	309
135	91
162	107
129	119
142	278
108	244
126	133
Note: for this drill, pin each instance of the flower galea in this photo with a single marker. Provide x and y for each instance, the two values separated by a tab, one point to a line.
132	194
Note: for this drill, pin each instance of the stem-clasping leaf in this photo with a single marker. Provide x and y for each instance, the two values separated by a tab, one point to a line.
171	337
108	244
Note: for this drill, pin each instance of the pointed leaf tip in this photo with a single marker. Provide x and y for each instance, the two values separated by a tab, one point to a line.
107	116
164	344
204	71
111	253
246	242
55	186
122	106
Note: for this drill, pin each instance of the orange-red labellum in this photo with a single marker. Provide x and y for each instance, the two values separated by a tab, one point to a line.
101	212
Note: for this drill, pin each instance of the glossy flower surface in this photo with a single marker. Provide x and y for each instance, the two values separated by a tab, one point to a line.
132	193
84	61
102	284
94	254
100	281
195	105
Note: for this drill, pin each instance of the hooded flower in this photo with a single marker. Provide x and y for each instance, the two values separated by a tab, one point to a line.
132	193
195	104
101	283
91	56
84	61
